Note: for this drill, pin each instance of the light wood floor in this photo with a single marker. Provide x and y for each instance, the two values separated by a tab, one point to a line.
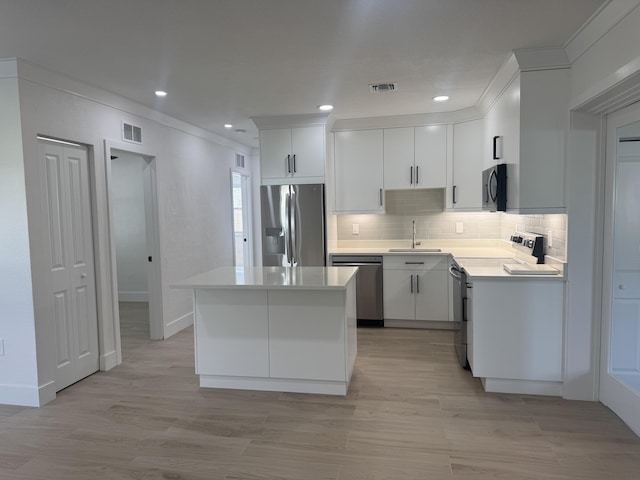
411	413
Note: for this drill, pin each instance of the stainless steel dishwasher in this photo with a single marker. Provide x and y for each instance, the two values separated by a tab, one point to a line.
368	287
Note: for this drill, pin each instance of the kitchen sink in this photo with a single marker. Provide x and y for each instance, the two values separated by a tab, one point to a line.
409	250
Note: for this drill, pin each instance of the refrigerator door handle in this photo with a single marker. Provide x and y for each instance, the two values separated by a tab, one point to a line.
294	226
288	239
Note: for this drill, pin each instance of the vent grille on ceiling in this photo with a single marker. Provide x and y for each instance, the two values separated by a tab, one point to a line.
131	133
240	160
383	87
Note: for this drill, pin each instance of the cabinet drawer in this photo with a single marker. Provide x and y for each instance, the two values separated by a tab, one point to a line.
416	262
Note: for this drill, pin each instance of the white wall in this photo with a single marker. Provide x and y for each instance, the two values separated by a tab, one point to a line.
18	368
127	199
194	207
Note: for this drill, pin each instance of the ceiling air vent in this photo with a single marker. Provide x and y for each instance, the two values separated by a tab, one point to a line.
131	133
383	87
240	160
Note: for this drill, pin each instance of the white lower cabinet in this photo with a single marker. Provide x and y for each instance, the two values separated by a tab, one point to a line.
416	287
515	334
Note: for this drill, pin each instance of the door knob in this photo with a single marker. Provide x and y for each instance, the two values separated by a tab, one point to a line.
83	275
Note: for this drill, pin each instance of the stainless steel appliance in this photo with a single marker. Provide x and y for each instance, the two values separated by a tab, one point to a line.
293	225
460	312
368	287
494	188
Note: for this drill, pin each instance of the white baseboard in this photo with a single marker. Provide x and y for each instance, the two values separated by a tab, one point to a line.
27	395
178	324
108	361
423	324
275	384
133	296
525	387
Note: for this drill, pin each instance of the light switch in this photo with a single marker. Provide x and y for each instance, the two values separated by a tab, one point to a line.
356	229
459	227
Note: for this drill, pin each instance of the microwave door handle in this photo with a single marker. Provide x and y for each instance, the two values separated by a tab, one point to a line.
493	177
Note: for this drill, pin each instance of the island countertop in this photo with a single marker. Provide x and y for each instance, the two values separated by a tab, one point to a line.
270	278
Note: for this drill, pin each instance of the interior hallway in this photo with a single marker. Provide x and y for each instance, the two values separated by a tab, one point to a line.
411	413
134	327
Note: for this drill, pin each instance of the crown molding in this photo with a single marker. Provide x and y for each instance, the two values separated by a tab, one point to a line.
283	121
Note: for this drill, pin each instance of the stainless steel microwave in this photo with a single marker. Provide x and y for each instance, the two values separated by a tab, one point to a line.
494	188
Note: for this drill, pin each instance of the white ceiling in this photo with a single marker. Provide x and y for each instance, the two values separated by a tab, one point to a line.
228	60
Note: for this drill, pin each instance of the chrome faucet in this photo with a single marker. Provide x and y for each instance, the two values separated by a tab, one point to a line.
414	244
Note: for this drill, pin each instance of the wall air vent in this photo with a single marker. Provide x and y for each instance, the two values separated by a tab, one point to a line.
240	160
131	133
383	87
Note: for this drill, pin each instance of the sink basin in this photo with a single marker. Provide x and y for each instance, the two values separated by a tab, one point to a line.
409	250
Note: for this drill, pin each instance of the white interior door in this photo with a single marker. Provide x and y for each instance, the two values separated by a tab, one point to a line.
73	290
620	362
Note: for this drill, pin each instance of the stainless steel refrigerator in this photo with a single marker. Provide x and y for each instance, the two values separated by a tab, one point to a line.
293	225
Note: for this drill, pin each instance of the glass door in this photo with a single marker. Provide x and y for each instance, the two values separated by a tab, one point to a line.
620	361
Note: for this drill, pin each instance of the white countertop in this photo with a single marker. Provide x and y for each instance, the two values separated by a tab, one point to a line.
481	261
269	278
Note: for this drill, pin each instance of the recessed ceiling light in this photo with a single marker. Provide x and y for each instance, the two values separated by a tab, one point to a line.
228	125
161	93
441	98
325	108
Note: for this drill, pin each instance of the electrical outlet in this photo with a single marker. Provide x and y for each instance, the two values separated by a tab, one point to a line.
355	229
1	347
549	238
459	227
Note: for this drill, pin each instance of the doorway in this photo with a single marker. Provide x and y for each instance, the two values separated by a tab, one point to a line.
136	269
241	205
620	360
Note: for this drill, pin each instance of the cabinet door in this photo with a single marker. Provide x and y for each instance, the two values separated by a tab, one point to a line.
358	171
399	299
468	148
398	158
275	147
432	295
307	145
431	156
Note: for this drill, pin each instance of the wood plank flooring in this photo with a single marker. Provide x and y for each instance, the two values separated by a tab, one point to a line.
411	413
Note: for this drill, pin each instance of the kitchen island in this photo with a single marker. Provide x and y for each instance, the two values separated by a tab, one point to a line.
289	329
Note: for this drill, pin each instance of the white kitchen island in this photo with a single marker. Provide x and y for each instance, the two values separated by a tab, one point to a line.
289	329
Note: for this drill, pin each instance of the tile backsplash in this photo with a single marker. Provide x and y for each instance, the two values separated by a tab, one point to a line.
426	207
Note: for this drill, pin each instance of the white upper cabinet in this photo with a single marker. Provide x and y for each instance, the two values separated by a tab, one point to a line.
358	171
532	118
465	190
415	157
292	155
431	156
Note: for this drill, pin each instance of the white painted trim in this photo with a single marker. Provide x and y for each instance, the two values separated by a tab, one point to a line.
178	324
24	395
275	384
8	68
414	120
288	121
533	59
501	81
109	360
133	296
43	76
601	22
47	392
419	324
523	387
